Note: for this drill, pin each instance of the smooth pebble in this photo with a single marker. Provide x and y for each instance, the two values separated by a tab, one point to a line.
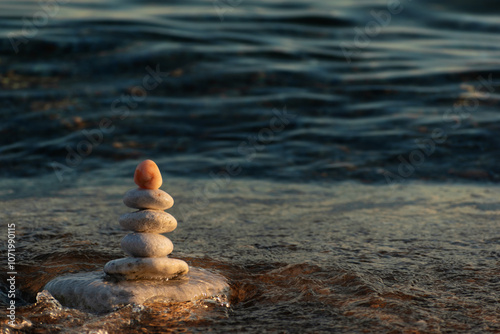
146	245
131	268
148	199
151	221
147	175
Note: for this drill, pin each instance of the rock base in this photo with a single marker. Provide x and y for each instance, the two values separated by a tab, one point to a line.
96	292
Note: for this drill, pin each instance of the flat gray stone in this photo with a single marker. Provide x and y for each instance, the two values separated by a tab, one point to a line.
93	292
148	199
132	268
152	221
146	245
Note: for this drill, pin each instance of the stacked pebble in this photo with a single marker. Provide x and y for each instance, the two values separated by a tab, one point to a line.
147	248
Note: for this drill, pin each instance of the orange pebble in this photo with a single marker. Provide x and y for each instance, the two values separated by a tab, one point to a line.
147	175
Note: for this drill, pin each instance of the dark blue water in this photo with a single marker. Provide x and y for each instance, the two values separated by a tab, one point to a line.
329	90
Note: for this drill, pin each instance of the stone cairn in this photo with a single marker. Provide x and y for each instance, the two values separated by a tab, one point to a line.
147	248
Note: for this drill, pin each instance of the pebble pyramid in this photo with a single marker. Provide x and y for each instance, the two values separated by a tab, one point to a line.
148	274
148	250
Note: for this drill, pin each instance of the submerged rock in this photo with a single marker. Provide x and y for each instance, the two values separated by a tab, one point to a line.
95	292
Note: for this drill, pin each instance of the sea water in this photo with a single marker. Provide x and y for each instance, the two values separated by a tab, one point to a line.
299	257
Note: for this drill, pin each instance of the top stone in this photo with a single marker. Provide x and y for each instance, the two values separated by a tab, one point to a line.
147	175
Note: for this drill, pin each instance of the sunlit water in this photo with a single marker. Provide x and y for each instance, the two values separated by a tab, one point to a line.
228	97
299	257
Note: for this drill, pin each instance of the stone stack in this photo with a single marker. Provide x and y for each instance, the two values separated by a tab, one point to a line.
147	248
